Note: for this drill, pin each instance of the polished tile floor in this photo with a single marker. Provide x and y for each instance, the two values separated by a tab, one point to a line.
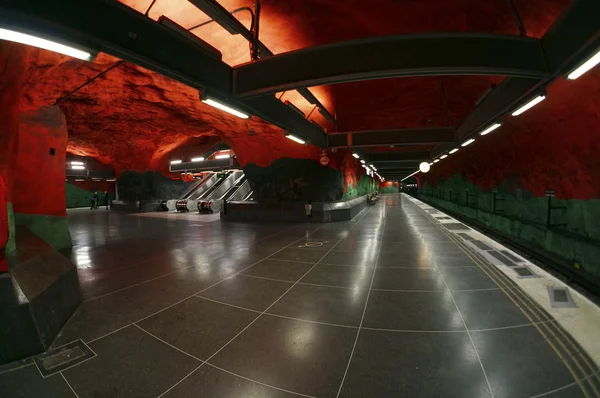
383	306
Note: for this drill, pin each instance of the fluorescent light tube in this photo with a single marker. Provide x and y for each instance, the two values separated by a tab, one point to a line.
586	66
529	105
490	129
468	142
296	139
23	38
225	108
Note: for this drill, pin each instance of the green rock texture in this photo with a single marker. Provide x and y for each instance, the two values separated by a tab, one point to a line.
11	245
364	186
52	229
521	215
134	186
79	197
294	180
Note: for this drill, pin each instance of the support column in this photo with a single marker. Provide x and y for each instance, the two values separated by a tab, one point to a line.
13	62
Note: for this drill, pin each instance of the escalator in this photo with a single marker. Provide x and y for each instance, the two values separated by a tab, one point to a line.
243	190
189	201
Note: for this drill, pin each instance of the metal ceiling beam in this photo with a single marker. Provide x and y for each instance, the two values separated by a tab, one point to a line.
392	137
393	166
496	104
398	157
393	56
120	31
573	38
230	23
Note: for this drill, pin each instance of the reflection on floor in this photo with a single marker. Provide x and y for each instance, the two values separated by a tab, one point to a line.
387	305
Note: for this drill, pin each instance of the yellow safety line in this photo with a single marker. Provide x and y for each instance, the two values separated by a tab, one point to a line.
535	306
506	291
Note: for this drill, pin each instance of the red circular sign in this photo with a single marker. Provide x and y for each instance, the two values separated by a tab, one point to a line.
324	160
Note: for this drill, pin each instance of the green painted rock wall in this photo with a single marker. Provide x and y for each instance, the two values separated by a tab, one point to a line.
79	197
523	216
364	186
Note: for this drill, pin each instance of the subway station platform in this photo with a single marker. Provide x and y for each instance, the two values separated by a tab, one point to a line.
402	301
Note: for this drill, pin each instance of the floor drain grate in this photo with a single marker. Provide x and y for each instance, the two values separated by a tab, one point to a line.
560	297
524	272
452	226
502	258
64	357
465	236
512	256
481	245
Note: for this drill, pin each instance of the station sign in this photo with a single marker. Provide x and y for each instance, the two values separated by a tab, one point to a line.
550	193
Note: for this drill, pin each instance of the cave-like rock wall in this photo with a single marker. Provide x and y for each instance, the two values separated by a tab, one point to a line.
553	146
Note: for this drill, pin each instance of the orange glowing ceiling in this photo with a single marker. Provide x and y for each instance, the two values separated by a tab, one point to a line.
133	117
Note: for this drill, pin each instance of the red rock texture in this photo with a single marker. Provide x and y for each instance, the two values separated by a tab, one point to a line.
555	145
135	119
13	62
39	186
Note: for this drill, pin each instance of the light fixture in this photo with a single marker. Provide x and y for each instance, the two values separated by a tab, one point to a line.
431	164
586	66
490	129
436	160
356	155
111	179
453	151
373	167
424	167
296	139
529	105
77	163
225	108
175	161
79	180
77	167
362	161
23	38
200	159
467	142
444	156
222	156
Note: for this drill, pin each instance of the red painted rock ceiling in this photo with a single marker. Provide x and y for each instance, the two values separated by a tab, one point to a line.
136	119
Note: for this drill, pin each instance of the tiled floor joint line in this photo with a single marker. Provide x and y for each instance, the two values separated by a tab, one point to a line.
468	333
169	344
196	293
69	384
364	310
258	382
263	312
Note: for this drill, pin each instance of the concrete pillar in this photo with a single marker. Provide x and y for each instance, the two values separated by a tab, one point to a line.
13	63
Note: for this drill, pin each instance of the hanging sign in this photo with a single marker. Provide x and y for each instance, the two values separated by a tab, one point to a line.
324	160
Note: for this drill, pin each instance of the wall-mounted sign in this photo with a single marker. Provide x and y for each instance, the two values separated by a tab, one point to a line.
550	192
324	160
